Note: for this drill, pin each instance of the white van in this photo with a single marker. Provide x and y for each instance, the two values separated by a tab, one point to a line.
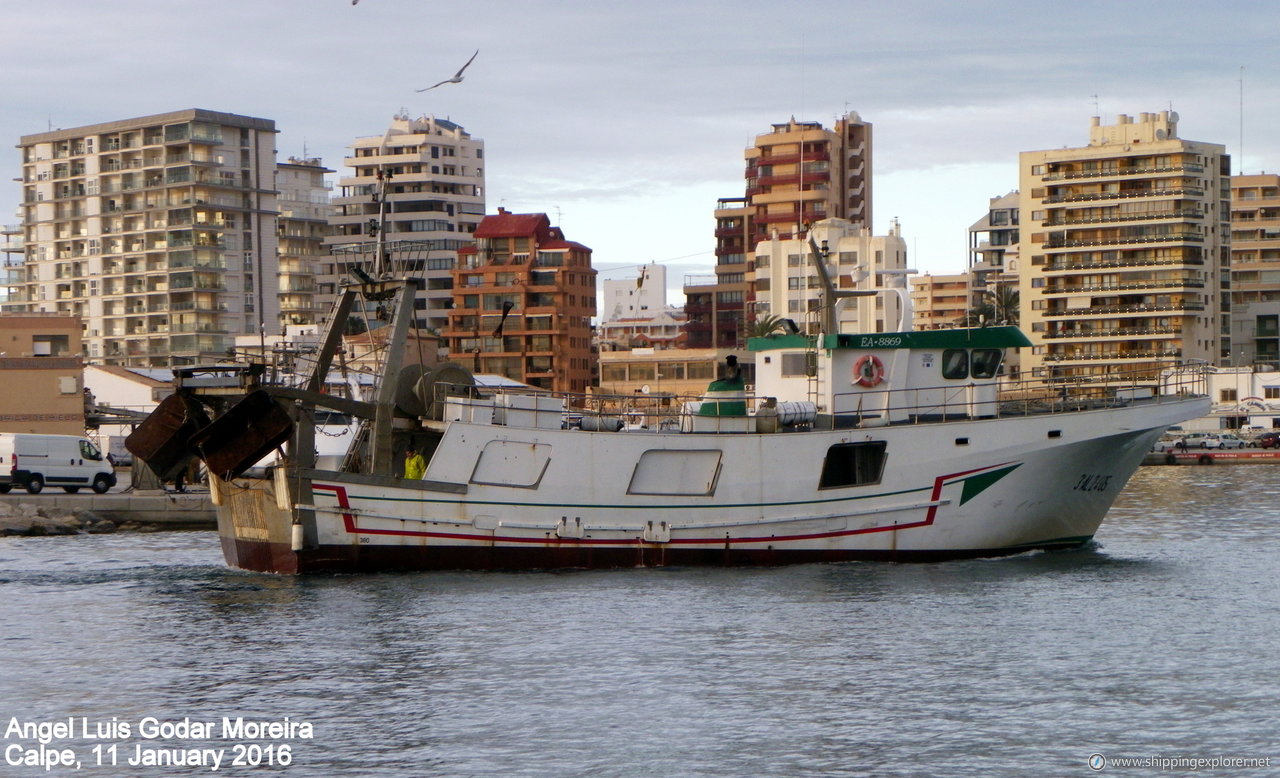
31	461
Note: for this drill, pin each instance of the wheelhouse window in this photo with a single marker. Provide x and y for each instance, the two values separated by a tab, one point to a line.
955	363
853	464
985	362
799	363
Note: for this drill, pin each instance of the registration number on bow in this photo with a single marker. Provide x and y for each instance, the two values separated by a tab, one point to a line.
1092	483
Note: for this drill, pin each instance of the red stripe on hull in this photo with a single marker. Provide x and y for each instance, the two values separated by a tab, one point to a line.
351	525
266	557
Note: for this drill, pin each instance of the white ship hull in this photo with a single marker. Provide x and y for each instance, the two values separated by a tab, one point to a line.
498	497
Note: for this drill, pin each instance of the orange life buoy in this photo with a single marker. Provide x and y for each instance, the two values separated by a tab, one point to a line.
868	371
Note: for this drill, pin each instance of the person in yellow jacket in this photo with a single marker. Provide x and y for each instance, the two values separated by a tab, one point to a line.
414	465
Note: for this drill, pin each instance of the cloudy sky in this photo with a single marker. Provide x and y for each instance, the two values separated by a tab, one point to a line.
626	121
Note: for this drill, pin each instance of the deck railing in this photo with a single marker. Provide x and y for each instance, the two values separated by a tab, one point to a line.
916	405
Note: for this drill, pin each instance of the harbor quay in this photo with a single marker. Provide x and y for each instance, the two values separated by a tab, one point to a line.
137	510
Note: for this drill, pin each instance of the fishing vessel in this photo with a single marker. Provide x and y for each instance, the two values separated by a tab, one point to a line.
901	446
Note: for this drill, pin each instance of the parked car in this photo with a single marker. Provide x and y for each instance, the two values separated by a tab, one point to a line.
1269	439
1224	440
1195	439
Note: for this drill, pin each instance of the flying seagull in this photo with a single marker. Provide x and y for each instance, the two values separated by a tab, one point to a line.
457	77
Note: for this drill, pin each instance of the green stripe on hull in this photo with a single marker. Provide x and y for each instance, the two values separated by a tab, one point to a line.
975	485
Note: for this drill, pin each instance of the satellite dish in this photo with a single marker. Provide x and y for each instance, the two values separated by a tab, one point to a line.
644	389
1161	134
1173	116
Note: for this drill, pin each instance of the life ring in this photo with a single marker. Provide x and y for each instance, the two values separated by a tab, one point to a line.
868	371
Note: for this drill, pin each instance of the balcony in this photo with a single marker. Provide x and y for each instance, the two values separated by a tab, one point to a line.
1101	288
1189	237
1140	309
202	281
1114	332
1125	217
1122	172
1086	197
759	183
1114	357
1069	265
197	327
700	280
792	158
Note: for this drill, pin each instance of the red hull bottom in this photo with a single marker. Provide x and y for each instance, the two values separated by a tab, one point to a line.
267	557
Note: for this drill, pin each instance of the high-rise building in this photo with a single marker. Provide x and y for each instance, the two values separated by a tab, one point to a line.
523	299
11	272
797	174
940	302
715	304
1255	271
801	173
159	232
1123	250
425	178
993	253
304	224
787	284
993	240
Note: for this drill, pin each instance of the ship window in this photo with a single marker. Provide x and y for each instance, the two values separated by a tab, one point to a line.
512	463
663	471
955	363
985	362
853	464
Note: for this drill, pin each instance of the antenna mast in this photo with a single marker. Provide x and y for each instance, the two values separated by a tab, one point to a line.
1240	148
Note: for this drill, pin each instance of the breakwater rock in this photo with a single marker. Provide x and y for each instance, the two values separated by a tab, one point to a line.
30	519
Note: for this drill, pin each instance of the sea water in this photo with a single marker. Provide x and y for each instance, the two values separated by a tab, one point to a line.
1159	641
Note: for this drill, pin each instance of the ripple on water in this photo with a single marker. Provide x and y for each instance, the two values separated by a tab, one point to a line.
1156	639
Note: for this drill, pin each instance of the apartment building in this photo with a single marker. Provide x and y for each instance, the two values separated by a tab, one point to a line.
12	250
787	284
715	303
940	302
993	248
523	299
159	232
642	297
661	375
423	178
801	173
665	330
1255	271
797	174
304	224
1123	246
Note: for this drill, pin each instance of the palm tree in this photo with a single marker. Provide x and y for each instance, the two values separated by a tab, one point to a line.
998	307
355	326
764	326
